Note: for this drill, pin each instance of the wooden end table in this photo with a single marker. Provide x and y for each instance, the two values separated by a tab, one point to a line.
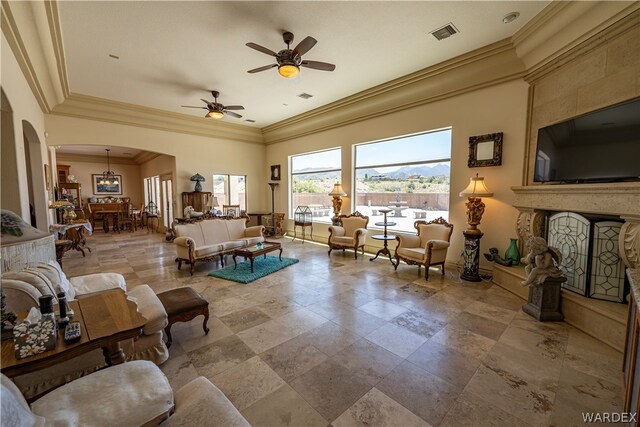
253	252
105	317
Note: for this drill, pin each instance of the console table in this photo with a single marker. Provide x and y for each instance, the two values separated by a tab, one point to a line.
384	237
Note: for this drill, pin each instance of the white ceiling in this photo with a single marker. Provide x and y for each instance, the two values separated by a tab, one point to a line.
173	53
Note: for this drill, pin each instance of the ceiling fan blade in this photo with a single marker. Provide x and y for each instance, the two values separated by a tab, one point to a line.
266	67
234	107
261	49
317	65
305	45
205	101
191	106
232	114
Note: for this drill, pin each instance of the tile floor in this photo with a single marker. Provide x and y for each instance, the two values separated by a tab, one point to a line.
333	340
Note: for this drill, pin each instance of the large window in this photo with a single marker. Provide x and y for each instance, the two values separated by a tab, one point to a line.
409	175
230	190
313	176
152	191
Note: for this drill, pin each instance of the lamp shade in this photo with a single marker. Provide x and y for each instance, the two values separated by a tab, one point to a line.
215	202
337	190
215	114
476	188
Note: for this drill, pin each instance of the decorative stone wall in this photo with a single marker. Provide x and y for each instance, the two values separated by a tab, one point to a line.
599	72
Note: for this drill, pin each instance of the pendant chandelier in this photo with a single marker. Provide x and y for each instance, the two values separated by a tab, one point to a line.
108	177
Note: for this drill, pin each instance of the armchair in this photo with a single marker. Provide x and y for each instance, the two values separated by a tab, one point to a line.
428	248
351	235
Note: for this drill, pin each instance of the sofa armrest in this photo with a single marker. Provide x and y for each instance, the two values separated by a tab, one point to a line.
20	296
200	403
408	241
150	307
361	235
184	241
437	244
97	282
255	231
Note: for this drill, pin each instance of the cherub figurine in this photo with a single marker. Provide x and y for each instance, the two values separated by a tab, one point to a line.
541	261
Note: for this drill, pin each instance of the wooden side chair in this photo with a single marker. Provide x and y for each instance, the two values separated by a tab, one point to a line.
125	219
429	247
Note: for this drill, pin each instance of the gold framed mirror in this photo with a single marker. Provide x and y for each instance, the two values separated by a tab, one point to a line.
485	150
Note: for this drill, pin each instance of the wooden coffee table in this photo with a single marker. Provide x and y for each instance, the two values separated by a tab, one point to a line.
252	252
105	317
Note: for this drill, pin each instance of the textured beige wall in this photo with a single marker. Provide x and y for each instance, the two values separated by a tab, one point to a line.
25	107
604	70
131	178
501	108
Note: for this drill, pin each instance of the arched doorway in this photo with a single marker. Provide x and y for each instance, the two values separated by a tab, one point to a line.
35	176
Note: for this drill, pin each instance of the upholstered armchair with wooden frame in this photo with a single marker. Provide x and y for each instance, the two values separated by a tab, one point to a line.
428	248
351	235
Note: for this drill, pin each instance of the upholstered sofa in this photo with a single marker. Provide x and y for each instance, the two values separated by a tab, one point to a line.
22	289
214	237
130	394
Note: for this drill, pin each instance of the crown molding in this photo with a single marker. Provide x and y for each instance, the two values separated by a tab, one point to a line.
55	32
93	158
489	65
93	108
20	52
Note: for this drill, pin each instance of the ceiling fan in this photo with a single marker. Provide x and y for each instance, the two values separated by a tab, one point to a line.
217	110
289	61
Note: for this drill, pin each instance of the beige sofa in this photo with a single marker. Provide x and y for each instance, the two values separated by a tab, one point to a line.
23	288
210	238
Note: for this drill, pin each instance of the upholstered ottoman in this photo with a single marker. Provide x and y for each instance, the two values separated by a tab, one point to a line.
182	305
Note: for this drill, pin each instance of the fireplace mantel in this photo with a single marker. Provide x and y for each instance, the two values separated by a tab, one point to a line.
620	200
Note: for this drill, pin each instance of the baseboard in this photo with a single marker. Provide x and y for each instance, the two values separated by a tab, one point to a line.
603	320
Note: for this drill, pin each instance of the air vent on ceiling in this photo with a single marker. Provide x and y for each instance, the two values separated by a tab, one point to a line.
445	32
249	120
305	95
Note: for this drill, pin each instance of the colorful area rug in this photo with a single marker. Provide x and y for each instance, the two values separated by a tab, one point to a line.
261	267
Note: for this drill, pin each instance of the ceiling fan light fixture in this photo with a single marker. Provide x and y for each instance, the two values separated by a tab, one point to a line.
216	114
288	71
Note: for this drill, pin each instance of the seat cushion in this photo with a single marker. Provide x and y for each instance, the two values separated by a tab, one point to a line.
130	394
181	300
234	244
416	254
251	241
200	403
343	240
209	250
150	307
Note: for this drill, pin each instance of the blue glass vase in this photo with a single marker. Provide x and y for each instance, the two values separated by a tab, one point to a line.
512	253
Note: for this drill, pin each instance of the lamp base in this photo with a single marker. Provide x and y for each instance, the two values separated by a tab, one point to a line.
471	257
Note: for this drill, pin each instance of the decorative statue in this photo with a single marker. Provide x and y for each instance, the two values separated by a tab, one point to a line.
494	256
475	210
541	261
190	212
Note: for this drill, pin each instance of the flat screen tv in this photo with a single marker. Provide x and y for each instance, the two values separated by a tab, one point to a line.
600	146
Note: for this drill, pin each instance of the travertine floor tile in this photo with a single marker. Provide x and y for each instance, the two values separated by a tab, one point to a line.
283	407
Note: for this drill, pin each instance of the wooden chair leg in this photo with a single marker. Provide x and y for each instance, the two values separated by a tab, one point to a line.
443	269
179	264
426	272
206	319
167	331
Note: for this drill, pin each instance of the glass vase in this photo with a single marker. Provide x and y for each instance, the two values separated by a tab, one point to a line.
512	253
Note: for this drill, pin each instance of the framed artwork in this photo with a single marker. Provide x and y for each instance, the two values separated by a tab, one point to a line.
106	189
485	150
275	172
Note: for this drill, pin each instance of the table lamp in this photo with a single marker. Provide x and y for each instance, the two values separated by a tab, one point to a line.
337	194
475	208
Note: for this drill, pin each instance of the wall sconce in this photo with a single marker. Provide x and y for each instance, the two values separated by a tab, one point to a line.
472	235
337	193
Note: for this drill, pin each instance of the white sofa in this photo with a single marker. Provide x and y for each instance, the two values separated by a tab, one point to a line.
131	394
23	288
214	237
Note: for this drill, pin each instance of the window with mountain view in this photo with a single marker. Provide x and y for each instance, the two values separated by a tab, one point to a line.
408	176
313	176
